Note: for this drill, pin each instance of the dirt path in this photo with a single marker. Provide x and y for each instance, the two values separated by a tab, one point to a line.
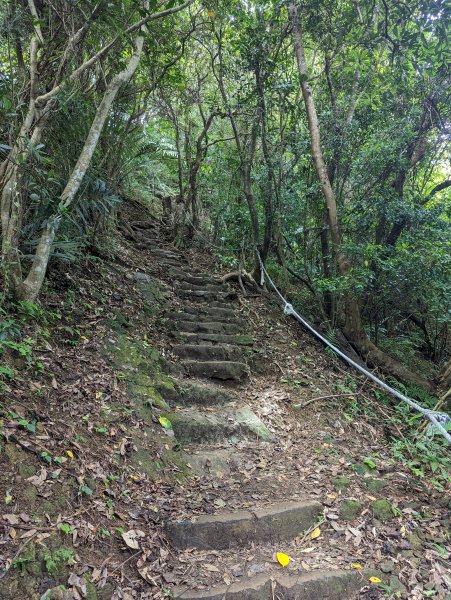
177	464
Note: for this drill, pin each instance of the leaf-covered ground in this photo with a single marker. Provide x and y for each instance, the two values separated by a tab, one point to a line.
88	475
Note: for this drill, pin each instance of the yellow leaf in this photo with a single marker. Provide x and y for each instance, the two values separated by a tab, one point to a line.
283	559
356	566
331	496
315	533
8	499
210	13
375	580
70	454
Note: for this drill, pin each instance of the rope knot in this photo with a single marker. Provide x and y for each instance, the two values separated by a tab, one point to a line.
288	309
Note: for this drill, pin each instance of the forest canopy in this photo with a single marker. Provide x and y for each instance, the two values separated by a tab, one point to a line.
317	133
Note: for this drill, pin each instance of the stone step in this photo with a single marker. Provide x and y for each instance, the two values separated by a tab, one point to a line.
214	338
206	327
190	278
200	316
212	369
314	585
219	314
209	352
169	262
206	287
166	254
191	426
187	392
208	296
281	522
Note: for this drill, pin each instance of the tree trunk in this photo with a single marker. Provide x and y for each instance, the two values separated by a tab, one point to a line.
353	326
29	289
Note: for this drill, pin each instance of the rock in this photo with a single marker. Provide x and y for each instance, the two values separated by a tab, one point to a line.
278	523
349	509
375	485
362	469
341	483
396	585
382	510
415	540
250	422
387	566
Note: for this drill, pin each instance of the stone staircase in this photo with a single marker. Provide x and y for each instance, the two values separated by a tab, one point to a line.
211	352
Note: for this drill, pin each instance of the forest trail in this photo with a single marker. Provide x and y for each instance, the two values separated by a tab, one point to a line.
210	419
200	432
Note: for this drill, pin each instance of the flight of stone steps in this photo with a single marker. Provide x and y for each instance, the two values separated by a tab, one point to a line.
212	351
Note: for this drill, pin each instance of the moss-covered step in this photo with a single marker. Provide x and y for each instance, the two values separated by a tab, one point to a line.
315	585
206	327
200	316
191	278
186	392
192	426
281	522
216	369
219	314
208	287
207	296
209	352
214	338
167	254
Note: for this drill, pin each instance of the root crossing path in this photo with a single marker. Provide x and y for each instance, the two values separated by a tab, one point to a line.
216	428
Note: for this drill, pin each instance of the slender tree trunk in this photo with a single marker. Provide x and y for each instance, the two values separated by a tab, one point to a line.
29	289
353	326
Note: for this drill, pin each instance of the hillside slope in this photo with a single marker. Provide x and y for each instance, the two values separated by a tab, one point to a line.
160	410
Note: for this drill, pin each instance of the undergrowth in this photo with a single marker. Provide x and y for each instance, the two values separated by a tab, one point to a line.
426	454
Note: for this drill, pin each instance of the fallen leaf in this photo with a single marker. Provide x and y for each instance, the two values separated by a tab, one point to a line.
356	566
375	579
283	559
131	538
38	480
211	568
28	534
315	533
11	519
165	423
70	454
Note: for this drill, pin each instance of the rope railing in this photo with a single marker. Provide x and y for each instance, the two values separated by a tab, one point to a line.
437	419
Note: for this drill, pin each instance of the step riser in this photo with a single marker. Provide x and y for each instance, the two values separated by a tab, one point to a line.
225	371
202	318
214	338
318	585
187	394
204	287
208	353
206	327
243	528
210	297
218	314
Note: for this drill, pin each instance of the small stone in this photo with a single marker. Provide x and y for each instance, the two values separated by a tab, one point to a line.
349	509
375	485
382	510
362	469
388	566
396	585
415	540
341	483
255	569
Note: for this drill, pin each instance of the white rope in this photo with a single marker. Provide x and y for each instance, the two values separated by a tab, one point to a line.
436	418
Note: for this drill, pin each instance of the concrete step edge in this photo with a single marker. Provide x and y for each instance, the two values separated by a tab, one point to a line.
314	585
280	522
